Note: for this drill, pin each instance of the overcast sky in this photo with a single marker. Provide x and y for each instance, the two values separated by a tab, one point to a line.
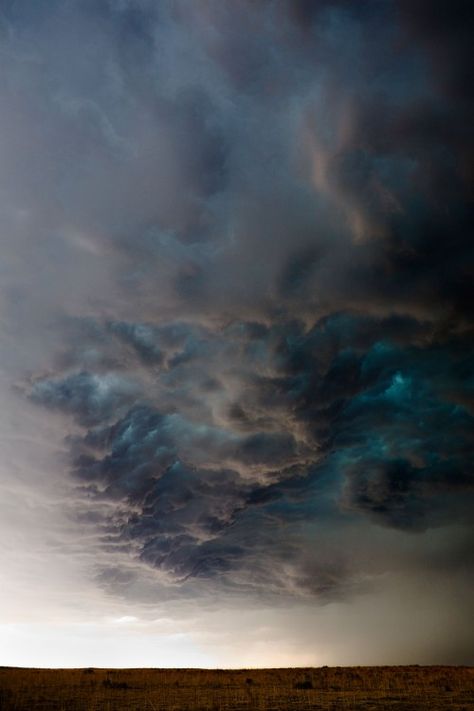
235	332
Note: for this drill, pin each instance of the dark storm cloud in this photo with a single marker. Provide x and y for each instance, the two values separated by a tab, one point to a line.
141	338
347	423
180	509
254	219
90	398
400	494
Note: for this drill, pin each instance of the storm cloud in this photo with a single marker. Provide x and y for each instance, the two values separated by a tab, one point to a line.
238	266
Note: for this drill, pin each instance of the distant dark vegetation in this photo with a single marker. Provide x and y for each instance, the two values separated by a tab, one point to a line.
326	689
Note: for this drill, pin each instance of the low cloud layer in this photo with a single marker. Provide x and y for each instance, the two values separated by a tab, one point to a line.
237	253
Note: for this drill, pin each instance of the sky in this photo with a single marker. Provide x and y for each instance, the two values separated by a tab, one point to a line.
236	364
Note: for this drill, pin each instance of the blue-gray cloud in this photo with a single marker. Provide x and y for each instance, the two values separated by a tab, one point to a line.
252	253
346	424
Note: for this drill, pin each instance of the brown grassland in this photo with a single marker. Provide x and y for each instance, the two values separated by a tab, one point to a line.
327	688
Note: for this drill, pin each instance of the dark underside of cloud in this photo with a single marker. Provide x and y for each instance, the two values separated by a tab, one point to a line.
280	196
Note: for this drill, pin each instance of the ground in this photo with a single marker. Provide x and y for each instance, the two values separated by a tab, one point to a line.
326	689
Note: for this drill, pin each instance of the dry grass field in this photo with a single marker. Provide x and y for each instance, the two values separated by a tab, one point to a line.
326	688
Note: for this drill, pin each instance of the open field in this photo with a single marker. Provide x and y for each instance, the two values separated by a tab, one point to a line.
326	688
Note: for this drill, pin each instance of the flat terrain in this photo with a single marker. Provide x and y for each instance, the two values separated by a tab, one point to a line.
368	688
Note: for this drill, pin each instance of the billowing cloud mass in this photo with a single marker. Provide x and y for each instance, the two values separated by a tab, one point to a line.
237	270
